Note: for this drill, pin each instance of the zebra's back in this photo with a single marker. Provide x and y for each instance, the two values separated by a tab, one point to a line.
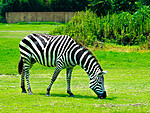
46	49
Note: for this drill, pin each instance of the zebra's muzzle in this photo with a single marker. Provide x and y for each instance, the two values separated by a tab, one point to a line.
103	96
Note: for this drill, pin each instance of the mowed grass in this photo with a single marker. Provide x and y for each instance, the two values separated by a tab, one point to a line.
127	82
21	30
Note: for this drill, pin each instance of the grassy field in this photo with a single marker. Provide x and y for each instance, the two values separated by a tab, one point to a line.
127	82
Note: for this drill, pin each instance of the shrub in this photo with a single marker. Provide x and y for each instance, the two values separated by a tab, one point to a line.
124	28
81	28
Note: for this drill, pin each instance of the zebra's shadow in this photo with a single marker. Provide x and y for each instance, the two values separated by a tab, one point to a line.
76	96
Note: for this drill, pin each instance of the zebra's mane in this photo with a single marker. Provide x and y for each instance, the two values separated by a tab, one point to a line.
86	49
89	53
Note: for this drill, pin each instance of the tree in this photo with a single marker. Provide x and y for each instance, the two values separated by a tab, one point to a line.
101	7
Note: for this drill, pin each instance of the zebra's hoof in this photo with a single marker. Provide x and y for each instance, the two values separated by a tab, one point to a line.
72	95
30	93
47	95
24	92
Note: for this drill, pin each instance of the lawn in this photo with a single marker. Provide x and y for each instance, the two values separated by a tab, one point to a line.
127	82
21	30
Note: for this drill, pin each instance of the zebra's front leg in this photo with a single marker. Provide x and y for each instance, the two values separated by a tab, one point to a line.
69	72
56	72
22	82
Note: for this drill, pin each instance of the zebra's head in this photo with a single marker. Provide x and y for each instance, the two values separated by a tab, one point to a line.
97	85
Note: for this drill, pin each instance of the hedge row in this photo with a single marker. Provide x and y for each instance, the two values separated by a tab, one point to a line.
123	28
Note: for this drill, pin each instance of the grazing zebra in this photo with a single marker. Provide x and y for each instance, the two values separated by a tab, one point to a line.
60	52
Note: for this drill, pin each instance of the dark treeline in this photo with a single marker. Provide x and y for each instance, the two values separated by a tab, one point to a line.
42	5
101	7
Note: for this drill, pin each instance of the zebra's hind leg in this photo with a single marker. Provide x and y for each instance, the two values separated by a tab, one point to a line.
22	82
69	72
27	68
56	72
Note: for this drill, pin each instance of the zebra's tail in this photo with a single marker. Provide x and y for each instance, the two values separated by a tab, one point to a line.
20	66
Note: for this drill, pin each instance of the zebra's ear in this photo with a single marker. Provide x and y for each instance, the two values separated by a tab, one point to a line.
104	72
101	73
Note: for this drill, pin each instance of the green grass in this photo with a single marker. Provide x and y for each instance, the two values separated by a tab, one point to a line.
39	23
127	82
20	30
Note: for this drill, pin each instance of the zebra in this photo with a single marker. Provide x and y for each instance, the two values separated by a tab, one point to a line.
61	52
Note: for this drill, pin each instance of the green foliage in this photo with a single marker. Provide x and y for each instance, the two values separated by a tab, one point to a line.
68	5
23	5
145	2
124	5
124	28
2	19
81	28
103	7
33	6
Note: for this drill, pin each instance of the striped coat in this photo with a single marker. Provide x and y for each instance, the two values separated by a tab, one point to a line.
60	52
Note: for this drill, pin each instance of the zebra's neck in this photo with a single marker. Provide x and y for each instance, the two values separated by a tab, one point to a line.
88	62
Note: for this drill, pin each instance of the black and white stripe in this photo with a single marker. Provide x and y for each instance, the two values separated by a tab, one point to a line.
60	52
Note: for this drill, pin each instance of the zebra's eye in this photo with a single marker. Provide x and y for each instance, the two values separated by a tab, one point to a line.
99	78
